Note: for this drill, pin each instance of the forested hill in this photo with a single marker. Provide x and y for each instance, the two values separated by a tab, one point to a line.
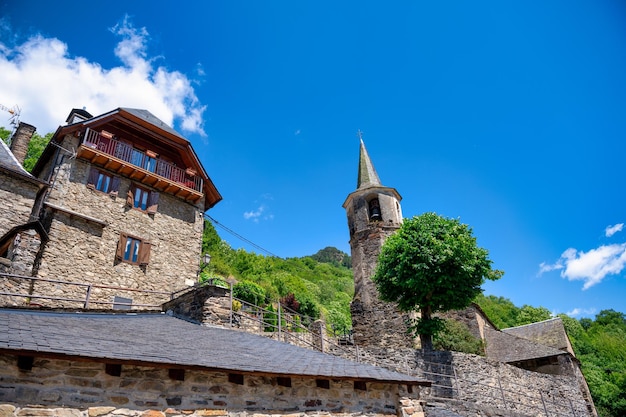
317	285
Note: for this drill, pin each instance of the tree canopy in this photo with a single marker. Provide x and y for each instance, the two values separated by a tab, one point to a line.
432	264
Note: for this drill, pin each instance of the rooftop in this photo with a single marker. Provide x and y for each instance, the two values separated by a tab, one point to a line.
162	340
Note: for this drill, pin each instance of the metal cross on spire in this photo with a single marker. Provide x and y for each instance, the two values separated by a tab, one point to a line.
359	133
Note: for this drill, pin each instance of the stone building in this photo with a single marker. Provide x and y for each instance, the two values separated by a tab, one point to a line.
122	202
103	364
374	213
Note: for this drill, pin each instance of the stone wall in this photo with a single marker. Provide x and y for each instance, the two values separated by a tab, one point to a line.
8	410
210	305
86	387
84	236
489	388
21	256
17	197
374	322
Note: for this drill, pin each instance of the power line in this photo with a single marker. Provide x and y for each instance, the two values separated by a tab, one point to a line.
238	236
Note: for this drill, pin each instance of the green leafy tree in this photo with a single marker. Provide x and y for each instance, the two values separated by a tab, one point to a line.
270	318
529	314
249	292
501	311
35	147
432	264
457	337
5	134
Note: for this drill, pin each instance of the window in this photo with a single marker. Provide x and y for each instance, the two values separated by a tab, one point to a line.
374	210
142	199
103	181
143	160
133	250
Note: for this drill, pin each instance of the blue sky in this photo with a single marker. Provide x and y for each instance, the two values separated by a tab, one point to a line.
508	115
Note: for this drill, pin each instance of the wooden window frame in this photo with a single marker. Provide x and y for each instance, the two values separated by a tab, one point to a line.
140	256
96	178
147	202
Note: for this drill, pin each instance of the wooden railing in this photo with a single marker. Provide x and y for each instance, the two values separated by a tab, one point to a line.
127	153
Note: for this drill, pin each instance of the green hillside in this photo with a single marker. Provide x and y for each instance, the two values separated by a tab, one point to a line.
320	284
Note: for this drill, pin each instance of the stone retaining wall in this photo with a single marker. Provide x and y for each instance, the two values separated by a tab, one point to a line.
85	386
483	383
8	410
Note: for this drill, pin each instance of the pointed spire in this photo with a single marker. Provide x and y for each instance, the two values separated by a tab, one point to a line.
367	173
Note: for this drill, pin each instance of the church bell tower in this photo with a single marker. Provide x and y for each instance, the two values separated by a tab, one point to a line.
374	213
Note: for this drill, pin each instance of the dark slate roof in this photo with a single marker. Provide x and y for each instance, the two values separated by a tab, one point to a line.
152	119
548	332
9	162
159	339
508	348
367	174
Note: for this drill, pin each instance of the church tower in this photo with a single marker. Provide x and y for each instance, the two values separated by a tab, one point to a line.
374	214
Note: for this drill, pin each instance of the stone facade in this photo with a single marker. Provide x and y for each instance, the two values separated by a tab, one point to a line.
17	196
85	232
91	388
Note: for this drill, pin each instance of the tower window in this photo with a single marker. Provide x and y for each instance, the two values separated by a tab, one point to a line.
374	210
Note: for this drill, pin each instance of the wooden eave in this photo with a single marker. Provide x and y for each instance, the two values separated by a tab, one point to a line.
126	169
164	139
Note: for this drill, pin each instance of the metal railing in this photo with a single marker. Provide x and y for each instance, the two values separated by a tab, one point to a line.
140	159
84	302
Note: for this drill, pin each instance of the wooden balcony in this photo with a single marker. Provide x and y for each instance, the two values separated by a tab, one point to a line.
140	166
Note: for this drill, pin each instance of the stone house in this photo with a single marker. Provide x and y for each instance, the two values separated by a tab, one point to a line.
122	199
105	364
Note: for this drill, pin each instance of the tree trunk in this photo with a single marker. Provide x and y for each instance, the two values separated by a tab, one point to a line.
426	339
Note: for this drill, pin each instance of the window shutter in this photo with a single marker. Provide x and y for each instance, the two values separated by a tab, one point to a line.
119	253
153	202
144	253
130	198
93	177
115	185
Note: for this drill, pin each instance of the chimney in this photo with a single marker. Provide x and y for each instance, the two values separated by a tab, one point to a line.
20	140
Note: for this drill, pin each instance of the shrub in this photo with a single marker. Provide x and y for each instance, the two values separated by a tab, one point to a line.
456	336
249	292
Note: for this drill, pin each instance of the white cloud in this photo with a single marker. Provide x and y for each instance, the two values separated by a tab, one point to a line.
46	82
576	312
611	230
262	212
590	267
255	214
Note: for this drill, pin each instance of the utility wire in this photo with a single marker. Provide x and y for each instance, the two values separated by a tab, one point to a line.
238	236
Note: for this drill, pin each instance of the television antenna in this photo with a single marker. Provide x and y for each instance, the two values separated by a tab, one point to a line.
14	111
